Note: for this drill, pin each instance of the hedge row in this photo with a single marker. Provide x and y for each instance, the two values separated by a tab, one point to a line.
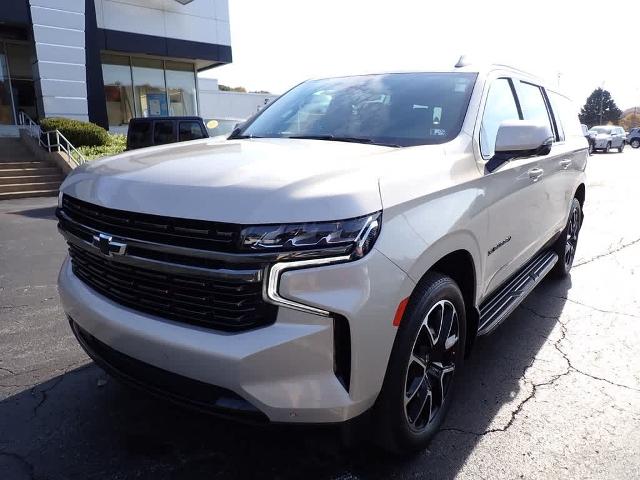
116	144
80	134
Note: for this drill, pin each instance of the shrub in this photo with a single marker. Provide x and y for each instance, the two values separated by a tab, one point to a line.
80	134
115	144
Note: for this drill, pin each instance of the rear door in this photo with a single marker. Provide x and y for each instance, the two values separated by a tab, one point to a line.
571	150
545	209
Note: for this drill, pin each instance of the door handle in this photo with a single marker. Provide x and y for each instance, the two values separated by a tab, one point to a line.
565	163
535	173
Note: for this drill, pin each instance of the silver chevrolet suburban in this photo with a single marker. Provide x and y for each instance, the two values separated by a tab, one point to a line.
336	257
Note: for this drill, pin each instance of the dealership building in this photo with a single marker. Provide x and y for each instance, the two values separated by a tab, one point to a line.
108	60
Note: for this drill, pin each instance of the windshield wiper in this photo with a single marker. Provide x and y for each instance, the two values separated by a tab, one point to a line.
335	138
237	136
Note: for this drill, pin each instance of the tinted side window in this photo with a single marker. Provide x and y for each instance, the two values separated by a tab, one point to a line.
139	135
500	106
532	103
190	131
163	132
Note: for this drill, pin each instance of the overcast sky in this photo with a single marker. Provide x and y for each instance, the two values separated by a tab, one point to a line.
278	43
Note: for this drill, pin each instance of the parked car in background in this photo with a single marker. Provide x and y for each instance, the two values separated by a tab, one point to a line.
147	132
335	258
590	137
633	138
607	137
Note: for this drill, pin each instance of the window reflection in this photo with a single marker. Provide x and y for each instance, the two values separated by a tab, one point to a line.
150	91
145	87
181	84
118	90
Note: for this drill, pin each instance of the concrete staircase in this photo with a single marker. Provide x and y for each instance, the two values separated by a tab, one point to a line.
22	176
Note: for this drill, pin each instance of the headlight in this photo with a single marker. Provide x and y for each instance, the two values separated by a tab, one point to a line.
353	236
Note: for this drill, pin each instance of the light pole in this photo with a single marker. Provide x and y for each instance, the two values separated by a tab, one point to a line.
601	100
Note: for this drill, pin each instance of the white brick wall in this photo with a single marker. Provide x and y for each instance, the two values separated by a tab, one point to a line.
58	28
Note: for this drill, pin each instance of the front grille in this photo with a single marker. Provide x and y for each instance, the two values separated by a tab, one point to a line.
200	234
200	300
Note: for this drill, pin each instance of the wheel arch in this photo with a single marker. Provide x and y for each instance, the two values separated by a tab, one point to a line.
580	194
459	265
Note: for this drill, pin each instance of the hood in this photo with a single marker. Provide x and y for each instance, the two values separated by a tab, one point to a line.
241	181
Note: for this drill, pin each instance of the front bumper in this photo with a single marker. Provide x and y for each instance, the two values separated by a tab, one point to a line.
284	370
601	143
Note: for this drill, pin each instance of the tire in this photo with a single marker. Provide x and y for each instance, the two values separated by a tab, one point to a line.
621	148
591	149
635	143
423	367
566	244
607	148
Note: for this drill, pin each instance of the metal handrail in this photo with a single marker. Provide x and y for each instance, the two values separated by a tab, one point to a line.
61	143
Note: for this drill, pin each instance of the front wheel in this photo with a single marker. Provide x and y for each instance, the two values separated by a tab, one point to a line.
621	148
425	362
566	244
607	148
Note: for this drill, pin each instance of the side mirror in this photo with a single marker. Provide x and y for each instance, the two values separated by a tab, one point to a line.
520	138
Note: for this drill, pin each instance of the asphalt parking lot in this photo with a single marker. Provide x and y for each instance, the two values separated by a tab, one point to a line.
553	393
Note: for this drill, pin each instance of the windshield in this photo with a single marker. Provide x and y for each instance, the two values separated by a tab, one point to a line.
605	130
399	109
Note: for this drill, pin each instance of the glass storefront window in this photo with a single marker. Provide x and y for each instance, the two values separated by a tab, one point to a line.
118	90
181	86
149	87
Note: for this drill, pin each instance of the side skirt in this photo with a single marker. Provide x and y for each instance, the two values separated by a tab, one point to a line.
495	309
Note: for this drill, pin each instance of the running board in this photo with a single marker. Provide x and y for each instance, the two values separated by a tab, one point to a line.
502	303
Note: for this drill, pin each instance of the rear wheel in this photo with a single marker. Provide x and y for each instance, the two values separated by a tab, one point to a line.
591	149
426	360
567	242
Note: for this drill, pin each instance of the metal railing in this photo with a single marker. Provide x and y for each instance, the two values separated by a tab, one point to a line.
52	140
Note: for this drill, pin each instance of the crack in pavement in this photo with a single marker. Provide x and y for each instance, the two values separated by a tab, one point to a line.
65	371
12	307
8	371
611	252
535	386
29	466
612	312
563	326
44	393
532	394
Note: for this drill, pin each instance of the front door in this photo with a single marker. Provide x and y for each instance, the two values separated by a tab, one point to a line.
17	92
510	192
6	105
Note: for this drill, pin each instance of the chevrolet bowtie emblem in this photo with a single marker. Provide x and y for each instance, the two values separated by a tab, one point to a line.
108	246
